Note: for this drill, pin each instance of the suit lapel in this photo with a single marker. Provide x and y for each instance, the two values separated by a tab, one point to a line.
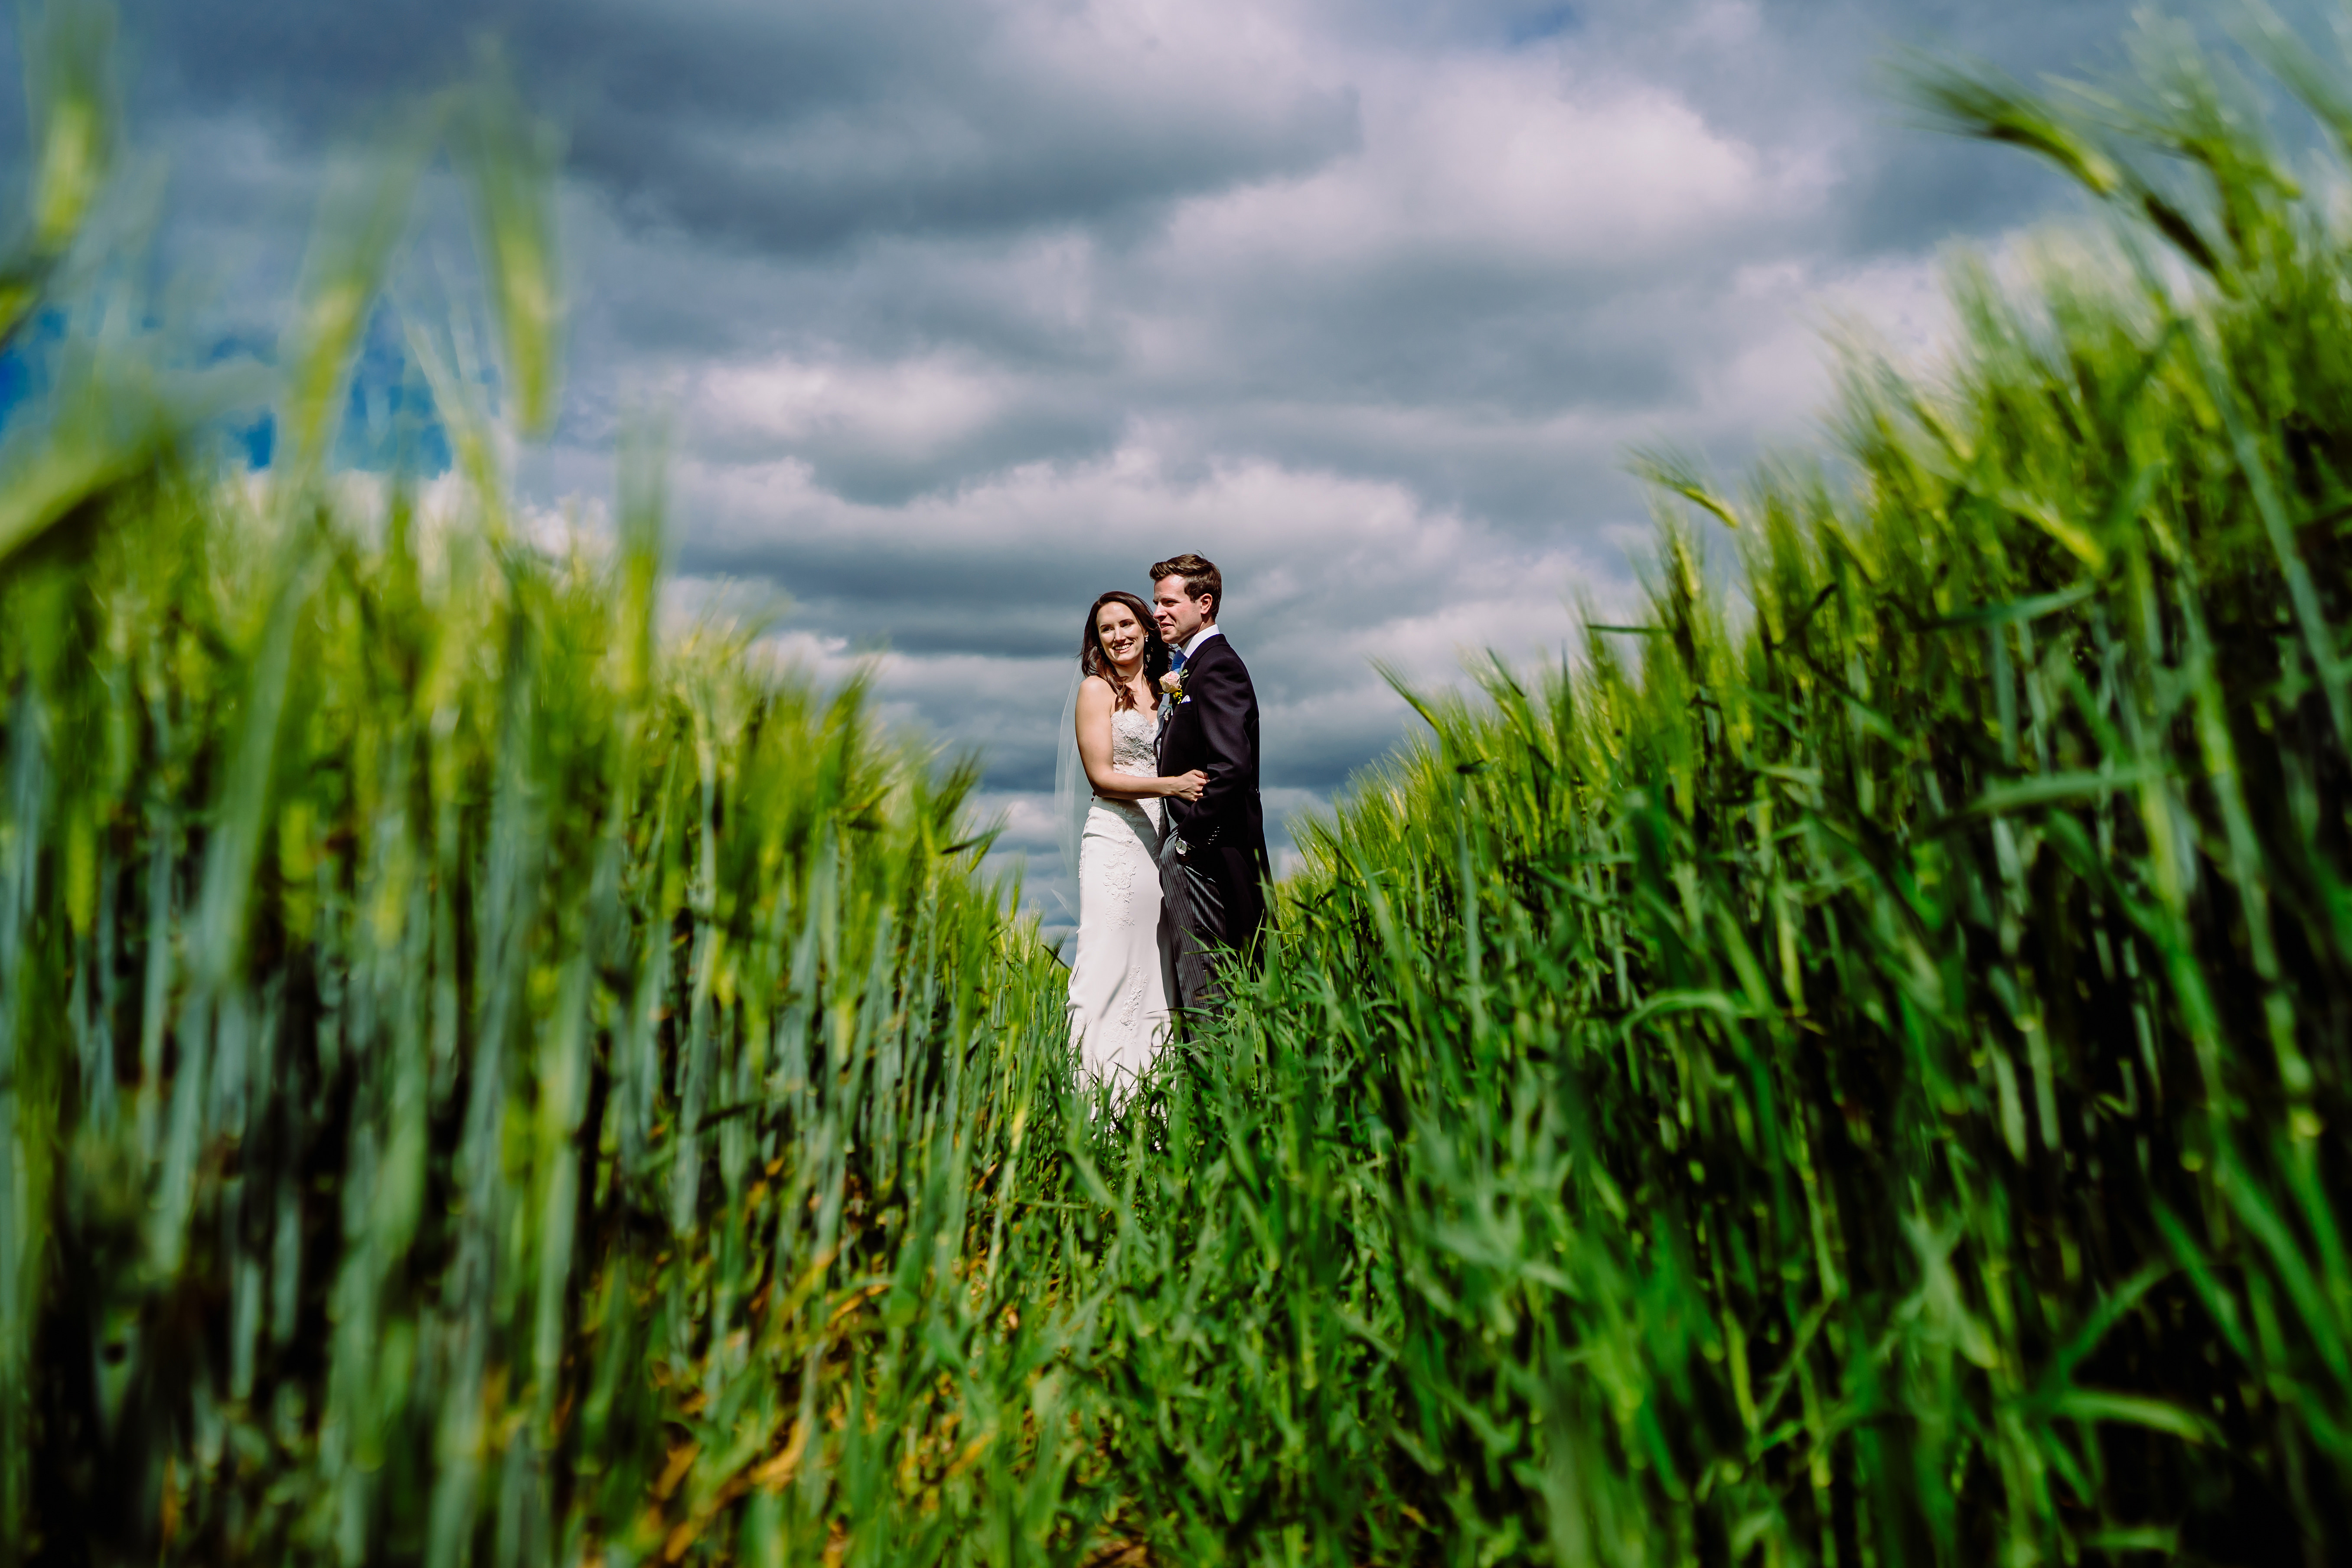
1167	711
1170	715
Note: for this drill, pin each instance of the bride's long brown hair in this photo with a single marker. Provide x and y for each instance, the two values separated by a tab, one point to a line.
1094	661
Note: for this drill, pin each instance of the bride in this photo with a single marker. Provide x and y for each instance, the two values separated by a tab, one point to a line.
1118	990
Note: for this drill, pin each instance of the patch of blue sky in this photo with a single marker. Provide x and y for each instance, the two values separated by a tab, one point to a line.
26	367
390	422
1536	26
17	382
257	442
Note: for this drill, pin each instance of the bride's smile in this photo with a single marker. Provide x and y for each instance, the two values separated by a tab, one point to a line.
1122	635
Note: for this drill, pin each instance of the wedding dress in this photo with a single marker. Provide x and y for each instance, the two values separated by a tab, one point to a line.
1119	992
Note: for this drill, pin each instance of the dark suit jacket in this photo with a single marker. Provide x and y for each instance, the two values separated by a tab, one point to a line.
1215	729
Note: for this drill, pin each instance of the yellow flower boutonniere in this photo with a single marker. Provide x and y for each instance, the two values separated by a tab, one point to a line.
1172	685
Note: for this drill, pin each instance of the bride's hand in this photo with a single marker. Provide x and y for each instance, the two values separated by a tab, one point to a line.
1188	786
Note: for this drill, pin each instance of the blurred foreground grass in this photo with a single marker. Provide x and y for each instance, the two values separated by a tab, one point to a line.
1852	1073
478	1081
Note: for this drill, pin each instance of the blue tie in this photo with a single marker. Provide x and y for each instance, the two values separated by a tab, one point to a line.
1175	660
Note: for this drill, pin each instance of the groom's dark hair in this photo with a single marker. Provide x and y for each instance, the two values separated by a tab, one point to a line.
1201	578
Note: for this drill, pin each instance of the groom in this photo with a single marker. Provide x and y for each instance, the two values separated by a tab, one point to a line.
1213	862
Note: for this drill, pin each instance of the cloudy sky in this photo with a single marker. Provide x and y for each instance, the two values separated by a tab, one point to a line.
964	310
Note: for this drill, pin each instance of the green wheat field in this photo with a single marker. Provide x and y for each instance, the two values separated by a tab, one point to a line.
1850	1069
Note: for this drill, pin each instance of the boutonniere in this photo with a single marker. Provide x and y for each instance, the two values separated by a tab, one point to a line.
1172	684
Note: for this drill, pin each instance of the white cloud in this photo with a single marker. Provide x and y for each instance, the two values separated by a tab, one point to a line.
1500	164
906	409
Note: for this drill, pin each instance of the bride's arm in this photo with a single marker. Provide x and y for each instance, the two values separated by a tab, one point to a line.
1095	702
1094	745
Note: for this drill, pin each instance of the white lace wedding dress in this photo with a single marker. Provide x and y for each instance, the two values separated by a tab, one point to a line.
1119	992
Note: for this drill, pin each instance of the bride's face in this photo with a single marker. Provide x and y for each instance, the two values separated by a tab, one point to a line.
1121	633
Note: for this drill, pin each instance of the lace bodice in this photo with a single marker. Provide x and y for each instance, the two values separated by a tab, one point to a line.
1134	742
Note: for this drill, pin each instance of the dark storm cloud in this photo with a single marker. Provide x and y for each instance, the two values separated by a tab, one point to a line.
785	128
1008	602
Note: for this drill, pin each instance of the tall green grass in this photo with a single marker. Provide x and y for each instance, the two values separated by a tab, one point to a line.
1854	1070
480	1080
1851	1071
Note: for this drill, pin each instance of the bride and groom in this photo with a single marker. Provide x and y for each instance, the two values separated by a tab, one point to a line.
1170	841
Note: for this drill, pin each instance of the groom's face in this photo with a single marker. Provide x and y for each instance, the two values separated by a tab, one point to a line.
1179	614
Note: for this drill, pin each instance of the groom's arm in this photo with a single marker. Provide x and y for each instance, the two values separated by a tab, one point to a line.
1225	702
